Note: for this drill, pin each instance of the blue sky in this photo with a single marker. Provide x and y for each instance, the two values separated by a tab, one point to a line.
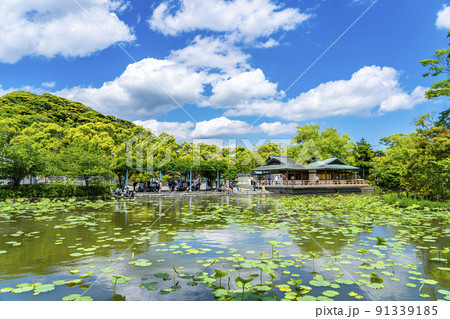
226	69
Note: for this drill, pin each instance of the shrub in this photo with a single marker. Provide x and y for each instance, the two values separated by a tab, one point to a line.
52	190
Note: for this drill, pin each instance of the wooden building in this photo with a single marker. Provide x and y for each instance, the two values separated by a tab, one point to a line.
283	170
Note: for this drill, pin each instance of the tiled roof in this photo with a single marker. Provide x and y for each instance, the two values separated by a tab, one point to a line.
283	162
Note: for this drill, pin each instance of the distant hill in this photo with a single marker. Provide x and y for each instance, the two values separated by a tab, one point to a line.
30	108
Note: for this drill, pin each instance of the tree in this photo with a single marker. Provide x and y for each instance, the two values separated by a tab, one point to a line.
363	155
328	142
428	173
439	64
391	168
20	160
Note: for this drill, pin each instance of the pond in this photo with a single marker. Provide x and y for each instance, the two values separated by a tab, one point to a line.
350	247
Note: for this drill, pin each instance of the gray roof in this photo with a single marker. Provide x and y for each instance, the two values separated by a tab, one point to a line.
280	162
331	163
284	162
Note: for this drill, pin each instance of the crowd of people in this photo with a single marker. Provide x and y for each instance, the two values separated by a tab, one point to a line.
182	185
155	185
228	186
125	193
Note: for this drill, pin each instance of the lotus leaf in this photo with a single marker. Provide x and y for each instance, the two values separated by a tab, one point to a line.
106	270
45	288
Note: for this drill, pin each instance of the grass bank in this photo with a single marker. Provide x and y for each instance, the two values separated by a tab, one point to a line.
393	198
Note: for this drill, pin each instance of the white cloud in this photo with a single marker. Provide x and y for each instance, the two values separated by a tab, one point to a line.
212	53
278	128
216	128
240	88
443	18
48	84
249	19
403	100
49	28
138	91
181	131
268	44
368	88
221	126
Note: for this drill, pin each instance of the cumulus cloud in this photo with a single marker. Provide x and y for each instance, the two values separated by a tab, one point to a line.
181	131
368	88
216	128
221	126
443	18
240	88
48	84
206	53
249	19
49	28
278	128
146	88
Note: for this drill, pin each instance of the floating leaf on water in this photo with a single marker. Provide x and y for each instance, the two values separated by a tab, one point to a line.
330	293
22	289
7	289
411	285
162	275
164	291
344	281
429	281
45	288
321	283
219	293
324	298
444	292
375	285
149	286
306	298
415	273
141	262
106	270
3	252
59	282
72	297
75	271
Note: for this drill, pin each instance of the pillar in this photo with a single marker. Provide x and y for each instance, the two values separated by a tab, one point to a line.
218	177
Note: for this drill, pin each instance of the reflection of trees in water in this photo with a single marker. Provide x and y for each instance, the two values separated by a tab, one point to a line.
430	267
317	245
40	255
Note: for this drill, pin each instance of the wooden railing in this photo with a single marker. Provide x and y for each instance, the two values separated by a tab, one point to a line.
300	183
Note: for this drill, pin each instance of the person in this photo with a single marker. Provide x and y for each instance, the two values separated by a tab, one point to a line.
317	179
237	187
231	187
160	186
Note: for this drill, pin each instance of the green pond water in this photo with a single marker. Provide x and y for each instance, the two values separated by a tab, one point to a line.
224	248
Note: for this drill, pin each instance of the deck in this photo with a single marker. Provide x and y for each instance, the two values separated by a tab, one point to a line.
324	186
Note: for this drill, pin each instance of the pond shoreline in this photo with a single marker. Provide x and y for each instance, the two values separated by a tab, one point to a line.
199	193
